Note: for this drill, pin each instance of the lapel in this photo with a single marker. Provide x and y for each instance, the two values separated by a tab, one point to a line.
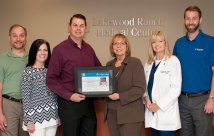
148	69
123	66
120	72
160	67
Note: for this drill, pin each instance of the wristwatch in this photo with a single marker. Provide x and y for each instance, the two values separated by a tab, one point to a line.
211	98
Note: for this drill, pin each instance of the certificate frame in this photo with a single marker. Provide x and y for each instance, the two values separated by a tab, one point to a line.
95	81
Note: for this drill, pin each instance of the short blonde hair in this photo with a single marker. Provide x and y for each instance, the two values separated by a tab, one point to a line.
128	46
151	53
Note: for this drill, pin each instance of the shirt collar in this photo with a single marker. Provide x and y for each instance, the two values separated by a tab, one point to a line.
11	54
198	37
74	44
125	61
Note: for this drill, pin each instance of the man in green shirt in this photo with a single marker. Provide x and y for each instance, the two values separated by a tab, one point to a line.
12	64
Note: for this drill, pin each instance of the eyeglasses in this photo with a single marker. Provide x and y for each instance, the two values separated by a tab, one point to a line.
119	43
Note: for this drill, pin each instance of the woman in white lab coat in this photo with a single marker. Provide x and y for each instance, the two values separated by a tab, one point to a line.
163	76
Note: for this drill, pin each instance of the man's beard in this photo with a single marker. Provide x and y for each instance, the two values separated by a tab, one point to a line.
192	30
18	47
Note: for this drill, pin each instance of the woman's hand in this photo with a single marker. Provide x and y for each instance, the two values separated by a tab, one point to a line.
30	127
154	107
148	102
114	96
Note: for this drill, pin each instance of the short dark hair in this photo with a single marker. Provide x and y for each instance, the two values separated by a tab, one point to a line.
33	52
193	8
17	25
80	16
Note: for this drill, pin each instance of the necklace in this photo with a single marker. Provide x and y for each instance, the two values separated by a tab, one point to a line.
118	63
36	66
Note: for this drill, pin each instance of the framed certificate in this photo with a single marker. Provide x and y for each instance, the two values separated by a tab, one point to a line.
94	81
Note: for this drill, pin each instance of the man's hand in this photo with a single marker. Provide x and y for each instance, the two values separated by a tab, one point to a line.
30	127
77	97
209	107
3	122
114	96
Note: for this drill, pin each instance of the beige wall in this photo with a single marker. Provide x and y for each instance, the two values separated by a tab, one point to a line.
48	19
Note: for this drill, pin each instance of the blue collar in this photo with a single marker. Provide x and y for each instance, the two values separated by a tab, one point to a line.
198	37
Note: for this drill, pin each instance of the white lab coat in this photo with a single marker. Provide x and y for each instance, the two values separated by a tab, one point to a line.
165	92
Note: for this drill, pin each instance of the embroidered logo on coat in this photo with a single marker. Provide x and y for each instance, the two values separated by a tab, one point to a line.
165	71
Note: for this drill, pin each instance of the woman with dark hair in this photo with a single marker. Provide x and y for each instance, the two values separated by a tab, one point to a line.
39	102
